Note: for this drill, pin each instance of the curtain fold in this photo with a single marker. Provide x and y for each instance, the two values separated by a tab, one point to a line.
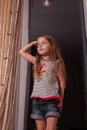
10	38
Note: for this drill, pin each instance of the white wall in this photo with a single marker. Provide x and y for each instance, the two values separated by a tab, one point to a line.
85	14
20	108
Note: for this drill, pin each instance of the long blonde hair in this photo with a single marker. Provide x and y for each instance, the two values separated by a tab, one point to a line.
55	54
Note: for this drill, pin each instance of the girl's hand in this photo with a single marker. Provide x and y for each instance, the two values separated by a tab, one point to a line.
35	43
60	105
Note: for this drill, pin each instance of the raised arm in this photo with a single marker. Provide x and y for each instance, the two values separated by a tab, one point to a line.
24	52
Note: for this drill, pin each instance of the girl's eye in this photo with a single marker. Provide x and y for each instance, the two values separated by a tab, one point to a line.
43	42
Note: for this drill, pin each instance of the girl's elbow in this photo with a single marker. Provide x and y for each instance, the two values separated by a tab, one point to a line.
21	52
63	85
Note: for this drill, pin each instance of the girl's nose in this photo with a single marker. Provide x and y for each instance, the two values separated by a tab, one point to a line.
40	45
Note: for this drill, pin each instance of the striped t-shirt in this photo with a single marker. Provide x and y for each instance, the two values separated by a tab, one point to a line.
47	86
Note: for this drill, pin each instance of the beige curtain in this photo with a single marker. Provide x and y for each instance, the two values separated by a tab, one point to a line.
10	35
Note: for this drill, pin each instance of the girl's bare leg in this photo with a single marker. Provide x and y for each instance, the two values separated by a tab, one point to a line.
40	124
51	123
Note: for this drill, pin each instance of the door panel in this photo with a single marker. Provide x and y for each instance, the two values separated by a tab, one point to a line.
62	20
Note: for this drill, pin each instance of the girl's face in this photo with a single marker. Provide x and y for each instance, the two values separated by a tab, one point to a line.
43	46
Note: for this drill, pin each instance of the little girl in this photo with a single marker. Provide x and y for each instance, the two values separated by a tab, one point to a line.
49	82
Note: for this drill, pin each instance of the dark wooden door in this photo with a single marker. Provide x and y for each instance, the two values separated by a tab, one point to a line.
62	20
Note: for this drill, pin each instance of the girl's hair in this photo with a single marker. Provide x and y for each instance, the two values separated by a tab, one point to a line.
55	54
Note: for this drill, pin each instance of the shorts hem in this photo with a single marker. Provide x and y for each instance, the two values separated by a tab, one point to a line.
55	114
36	116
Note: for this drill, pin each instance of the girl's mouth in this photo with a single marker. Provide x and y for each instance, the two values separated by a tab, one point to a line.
40	49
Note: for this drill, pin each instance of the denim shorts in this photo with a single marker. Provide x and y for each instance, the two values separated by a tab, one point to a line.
42	109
